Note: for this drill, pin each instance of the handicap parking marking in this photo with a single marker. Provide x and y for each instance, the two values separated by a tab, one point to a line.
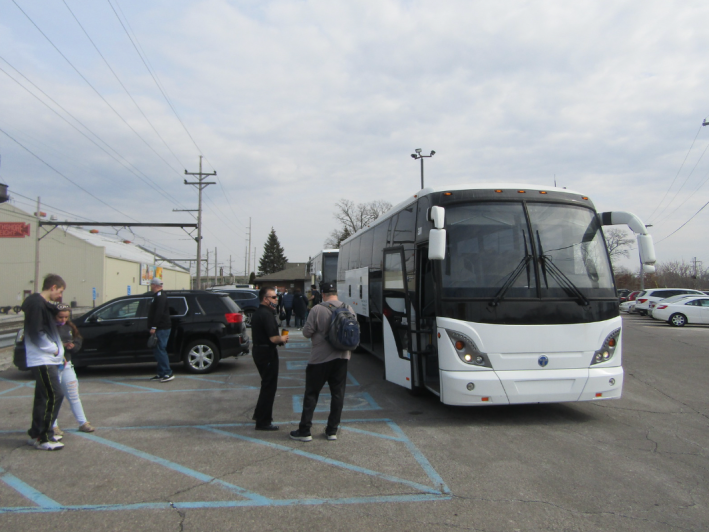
353	402
435	491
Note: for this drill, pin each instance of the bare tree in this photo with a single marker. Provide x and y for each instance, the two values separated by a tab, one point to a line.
617	242
353	217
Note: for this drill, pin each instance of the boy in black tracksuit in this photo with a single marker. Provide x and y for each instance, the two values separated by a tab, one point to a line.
44	354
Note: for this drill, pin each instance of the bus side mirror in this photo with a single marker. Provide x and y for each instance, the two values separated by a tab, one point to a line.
437	215
437	244
648	268
647	250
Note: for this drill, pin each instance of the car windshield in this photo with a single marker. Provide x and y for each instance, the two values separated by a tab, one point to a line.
489	246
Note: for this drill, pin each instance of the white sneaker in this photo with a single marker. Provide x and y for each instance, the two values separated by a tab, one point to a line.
49	446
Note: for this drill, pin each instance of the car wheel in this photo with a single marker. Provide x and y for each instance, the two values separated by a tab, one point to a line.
642	312
248	314
201	356
678	320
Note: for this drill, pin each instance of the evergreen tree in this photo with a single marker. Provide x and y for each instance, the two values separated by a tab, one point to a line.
273	259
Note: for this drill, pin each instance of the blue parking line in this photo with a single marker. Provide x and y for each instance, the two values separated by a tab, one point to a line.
420	458
12	389
255	497
366	402
28	491
329	461
197	505
132	385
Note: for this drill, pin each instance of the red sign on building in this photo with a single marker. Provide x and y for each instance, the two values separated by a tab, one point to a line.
14	230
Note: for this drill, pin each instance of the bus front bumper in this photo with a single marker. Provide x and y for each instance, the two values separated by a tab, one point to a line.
480	388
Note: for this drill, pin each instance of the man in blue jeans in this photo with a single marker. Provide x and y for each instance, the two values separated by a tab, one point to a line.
159	324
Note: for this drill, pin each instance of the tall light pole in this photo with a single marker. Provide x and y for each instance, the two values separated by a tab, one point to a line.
418	155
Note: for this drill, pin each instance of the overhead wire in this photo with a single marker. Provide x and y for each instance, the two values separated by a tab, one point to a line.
144	58
62	175
685	223
94	88
121	84
125	164
676	175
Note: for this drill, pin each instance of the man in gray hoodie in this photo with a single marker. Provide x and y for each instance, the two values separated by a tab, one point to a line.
44	352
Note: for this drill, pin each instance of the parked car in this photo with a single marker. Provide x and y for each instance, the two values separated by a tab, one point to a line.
653	304
622	294
643	300
246	298
206	328
680	313
629	304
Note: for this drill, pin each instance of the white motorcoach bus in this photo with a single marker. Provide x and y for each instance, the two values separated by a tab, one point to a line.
323	267
494	294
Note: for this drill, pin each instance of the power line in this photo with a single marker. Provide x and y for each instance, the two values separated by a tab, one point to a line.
685	223
681	187
61	174
677	174
150	71
144	58
121	84
125	164
94	88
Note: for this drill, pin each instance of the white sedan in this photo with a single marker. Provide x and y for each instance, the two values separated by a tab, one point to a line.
680	313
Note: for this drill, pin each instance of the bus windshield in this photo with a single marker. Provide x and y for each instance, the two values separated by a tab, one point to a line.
495	251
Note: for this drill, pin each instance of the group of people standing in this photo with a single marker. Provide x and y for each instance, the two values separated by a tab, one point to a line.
295	303
325	365
51	338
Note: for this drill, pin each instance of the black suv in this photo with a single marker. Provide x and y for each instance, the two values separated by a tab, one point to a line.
206	327
246	298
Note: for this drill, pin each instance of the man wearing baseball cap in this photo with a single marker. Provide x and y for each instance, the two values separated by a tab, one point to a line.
159	324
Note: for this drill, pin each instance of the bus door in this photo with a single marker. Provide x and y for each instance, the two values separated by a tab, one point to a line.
396	308
428	355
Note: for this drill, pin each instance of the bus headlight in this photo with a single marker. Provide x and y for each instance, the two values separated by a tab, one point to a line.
467	350
607	350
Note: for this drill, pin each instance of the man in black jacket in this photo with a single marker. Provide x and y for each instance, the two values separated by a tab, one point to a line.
266	338
159	324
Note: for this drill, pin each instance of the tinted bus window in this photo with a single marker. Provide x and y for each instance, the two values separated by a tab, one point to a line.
354	254
343	261
404	229
365	249
379	243
421	222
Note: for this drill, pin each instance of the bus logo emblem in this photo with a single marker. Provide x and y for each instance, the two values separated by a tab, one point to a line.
543	360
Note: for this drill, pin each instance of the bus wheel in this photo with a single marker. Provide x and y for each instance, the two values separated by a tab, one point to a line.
678	320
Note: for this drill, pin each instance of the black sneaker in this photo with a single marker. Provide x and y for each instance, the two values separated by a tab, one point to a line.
330	434
301	435
167	378
156	378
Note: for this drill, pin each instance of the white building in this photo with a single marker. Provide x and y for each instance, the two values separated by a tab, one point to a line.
89	263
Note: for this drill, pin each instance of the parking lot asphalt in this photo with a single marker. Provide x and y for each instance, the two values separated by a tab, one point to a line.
184	455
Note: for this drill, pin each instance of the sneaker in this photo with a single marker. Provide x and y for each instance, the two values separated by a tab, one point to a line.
56	438
301	435
49	446
167	378
156	378
331	435
58	431
86	427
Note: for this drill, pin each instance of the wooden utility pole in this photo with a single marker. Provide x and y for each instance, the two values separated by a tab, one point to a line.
201	184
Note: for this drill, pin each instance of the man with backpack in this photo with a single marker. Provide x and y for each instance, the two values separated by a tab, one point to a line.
334	331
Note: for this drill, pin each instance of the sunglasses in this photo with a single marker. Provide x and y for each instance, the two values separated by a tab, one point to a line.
272	297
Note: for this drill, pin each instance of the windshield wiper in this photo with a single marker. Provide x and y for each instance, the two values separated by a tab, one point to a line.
560	277
523	264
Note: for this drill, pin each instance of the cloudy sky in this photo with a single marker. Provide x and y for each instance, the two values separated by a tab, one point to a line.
298	103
